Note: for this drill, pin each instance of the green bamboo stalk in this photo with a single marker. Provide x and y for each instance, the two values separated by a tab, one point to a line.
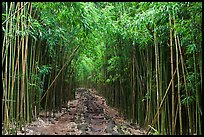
14	13
160	106
178	76
14	69
176	114
47	96
150	87
197	112
13	47
169	117
23	70
30	79
18	65
184	78
157	74
61	89
6	35
66	63
29	10
10	93
10	109
133	82
147	88
32	73
165	82
149	56
39	60
160	67
53	93
4	79
24	67
172	68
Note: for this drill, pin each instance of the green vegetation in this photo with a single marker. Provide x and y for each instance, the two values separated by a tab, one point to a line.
145	58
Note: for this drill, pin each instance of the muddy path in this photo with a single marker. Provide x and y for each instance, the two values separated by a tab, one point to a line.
88	114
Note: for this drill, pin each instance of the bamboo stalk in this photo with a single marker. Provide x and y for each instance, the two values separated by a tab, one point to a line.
133	90
14	70
4	79
23	71
27	107
15	13
172	68
157	74
184	78
160	106
161	64
6	42
10	109
66	63
150	86
61	89
33	66
197	112
148	91
177	109
178	76
18	65
13	74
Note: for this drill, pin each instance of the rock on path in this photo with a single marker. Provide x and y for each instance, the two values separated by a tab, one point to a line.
88	114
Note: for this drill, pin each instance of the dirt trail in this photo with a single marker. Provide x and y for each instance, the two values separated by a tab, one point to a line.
88	114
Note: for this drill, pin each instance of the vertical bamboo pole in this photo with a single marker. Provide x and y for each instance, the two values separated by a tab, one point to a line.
197	112
29	11
133	89
186	89
178	76
150	86
160	73
18	65
10	66
4	79
147	87
172	73
6	74
157	76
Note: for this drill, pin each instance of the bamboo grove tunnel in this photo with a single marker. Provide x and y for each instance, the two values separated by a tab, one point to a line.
144	58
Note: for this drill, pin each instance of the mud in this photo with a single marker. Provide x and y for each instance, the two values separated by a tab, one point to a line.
88	114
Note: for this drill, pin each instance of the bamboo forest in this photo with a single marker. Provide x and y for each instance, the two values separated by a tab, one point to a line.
102	68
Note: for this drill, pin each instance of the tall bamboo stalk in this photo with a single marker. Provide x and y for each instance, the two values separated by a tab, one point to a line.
23	70
186	89
161	64
161	104
18	65
178	77
148	88
157	71
172	68
27	107
5	74
133	88
10	66
197	105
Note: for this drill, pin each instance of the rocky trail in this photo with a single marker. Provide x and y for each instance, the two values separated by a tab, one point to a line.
88	114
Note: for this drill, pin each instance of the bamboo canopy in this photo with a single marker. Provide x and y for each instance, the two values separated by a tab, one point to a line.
144	58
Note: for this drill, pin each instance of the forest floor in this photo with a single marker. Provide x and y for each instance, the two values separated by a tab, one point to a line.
88	114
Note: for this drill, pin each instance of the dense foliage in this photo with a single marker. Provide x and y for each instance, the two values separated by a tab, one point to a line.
145	58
